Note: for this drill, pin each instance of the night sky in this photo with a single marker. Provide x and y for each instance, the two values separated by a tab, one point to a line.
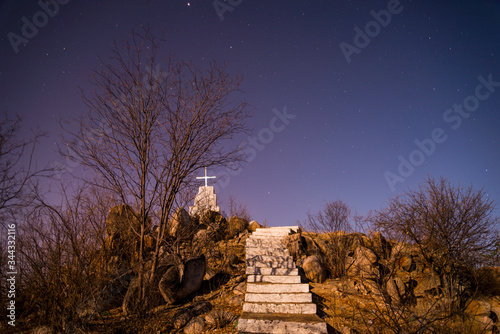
352	100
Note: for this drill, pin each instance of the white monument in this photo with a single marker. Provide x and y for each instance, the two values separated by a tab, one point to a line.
206	199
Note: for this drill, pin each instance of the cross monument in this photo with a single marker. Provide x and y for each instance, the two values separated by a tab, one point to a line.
205	177
206	199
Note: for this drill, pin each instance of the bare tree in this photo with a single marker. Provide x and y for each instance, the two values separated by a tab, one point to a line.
16	163
61	255
237	209
335	217
454	228
333	221
454	220
150	128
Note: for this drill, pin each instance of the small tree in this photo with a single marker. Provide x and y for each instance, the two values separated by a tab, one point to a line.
453	226
238	209
335	217
454	220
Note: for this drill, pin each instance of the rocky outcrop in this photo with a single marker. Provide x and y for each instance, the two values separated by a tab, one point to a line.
235	226
314	269
253	225
179	222
173	290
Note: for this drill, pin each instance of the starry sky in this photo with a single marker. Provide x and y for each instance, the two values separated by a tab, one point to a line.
352	100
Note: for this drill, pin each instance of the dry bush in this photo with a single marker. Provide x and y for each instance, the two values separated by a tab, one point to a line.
237	209
453	226
334	221
61	264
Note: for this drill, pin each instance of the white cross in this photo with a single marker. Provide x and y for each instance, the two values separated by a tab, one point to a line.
205	177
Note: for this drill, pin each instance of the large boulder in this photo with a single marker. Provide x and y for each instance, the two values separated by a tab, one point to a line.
123	221
314	269
215	223
152	297
428	284
253	226
363	263
235	226
174	290
122	228
178	223
380	245
301	245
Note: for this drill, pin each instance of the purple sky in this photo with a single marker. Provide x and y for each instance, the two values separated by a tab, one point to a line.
344	93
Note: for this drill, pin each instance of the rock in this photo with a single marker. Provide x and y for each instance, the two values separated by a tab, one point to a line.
235	300
235	226
194	270
168	282
219	318
232	259
178	223
153	297
172	290
122	227
314	269
130	301
216	225
112	293
240	289
428	284
121	219
253	226
381	246
195	326
478	308
396	289
201	237
300	246
363	263
183	316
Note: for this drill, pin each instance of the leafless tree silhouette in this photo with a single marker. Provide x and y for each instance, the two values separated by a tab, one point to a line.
150	127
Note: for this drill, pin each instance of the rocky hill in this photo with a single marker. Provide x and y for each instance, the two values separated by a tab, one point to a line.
362	284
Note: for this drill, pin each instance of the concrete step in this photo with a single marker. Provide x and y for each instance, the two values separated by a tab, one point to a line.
281	323
278	297
263	243
276	229
289	308
253	270
253	251
272	279
277	288
267	258
271	264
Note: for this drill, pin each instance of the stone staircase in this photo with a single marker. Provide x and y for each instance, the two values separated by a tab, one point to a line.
276	301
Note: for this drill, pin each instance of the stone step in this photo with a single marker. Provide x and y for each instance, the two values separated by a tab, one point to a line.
303	297
263	243
252	251
271	264
277	288
252	270
267	258
289	308
276	229
273	279
281	323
